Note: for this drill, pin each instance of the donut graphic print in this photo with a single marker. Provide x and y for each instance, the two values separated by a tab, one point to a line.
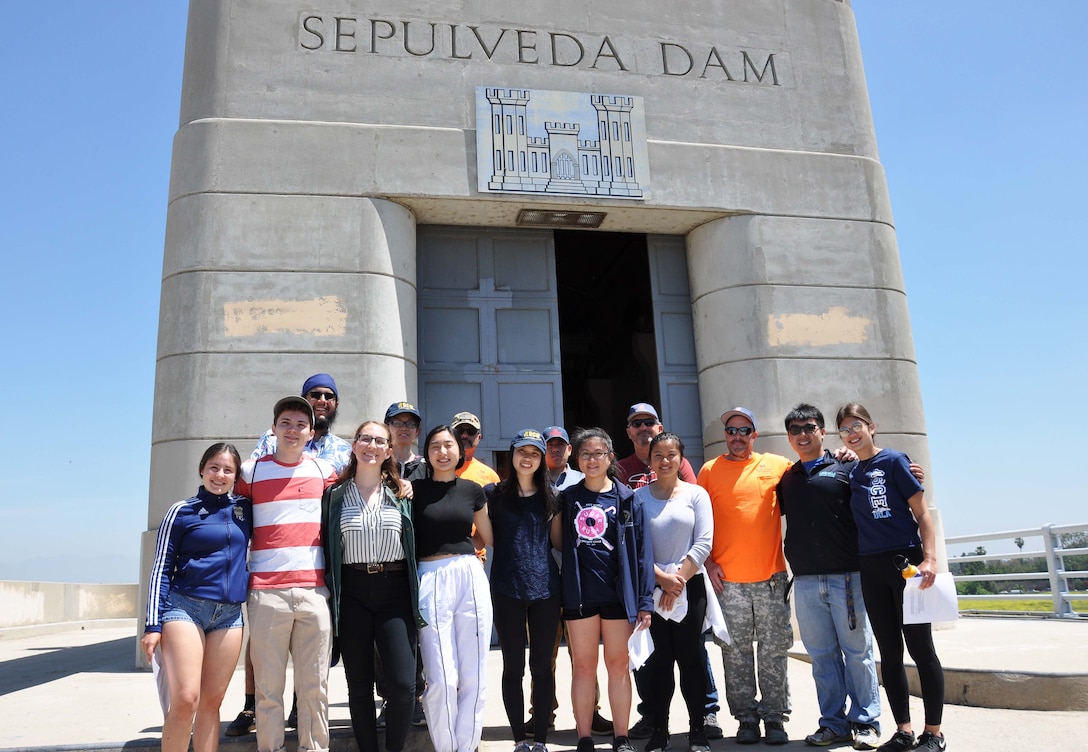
591	523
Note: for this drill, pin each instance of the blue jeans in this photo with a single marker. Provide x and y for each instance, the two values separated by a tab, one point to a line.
842	657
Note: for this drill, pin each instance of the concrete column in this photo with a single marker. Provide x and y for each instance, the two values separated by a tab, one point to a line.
258	293
790	310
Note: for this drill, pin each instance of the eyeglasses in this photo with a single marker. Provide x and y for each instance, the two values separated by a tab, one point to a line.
642	423
855	427
318	396
807	428
742	430
377	441
587	456
404	424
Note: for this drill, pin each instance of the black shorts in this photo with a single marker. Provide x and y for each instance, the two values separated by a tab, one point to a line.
604	610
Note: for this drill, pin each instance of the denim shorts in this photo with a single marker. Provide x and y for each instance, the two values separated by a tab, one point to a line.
208	615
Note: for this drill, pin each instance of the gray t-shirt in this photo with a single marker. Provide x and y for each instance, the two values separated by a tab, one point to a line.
680	527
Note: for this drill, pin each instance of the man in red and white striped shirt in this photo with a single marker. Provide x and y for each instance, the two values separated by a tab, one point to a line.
288	601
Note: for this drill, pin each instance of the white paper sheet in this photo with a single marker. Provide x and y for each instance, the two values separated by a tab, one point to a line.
936	603
640	645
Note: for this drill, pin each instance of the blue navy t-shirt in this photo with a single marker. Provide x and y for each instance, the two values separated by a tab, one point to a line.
590	519
523	566
879	489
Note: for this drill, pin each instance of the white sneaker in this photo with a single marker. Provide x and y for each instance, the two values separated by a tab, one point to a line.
866	737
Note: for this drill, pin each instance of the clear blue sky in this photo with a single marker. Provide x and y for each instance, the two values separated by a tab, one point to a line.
981	113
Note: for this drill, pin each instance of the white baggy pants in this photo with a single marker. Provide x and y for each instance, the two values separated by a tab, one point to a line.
455	601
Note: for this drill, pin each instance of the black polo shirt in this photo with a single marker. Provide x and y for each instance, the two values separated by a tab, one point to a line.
821	535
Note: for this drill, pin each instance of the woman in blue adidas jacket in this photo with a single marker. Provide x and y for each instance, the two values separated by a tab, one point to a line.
194	602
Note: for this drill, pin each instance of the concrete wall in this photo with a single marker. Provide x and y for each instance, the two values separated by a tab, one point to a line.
33	603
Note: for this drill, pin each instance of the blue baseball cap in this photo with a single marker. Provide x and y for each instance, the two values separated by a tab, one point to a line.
529	437
556	432
642	408
743	412
401	408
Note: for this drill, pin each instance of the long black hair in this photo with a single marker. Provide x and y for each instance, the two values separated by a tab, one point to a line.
506	492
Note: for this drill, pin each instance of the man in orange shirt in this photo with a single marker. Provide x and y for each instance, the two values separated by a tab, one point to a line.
466	427
748	572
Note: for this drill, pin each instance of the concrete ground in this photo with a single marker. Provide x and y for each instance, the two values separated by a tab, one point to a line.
75	689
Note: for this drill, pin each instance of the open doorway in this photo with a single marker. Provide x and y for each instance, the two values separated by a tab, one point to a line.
606	329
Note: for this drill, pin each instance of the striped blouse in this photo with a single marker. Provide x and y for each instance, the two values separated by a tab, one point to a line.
370	535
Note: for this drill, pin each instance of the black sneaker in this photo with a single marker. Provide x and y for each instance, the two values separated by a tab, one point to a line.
748	732
292	719
642	729
245	723
622	744
775	733
930	742
419	718
825	737
585	744
901	741
600	725
381	717
711	727
659	741
697	741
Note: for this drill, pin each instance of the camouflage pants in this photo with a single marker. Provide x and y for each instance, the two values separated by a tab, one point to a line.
757	612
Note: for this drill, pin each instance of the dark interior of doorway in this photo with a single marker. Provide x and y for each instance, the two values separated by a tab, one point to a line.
606	329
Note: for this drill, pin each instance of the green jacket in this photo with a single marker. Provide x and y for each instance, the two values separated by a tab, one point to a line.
332	503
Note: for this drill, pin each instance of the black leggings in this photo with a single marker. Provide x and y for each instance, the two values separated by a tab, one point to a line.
882	586
376	614
511	618
677	644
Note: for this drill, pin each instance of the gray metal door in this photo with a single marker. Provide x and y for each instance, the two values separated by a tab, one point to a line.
488	330
678	377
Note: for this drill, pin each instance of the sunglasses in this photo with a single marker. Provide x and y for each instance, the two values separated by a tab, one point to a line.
807	428
642	423
318	396
742	430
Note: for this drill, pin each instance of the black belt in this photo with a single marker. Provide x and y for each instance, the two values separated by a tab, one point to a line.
385	566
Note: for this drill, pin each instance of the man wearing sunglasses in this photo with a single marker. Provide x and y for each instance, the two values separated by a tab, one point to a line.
643	424
468	430
748	572
320	391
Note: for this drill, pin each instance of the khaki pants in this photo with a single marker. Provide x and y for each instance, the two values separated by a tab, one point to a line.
295	623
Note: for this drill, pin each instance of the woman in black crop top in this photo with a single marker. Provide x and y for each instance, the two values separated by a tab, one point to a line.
454	597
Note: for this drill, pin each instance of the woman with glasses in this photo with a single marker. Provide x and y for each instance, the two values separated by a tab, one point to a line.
607	583
454	596
525	582
198	583
888	504
680	526
370	569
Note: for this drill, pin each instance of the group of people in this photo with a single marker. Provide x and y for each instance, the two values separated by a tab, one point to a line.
377	550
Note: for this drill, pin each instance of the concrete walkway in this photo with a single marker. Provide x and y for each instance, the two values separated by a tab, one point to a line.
75	689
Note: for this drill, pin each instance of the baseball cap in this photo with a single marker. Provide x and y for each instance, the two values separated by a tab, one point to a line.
462	418
529	437
556	432
293	403
743	412
642	408
401	408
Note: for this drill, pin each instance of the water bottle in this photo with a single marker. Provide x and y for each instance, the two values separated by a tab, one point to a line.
905	568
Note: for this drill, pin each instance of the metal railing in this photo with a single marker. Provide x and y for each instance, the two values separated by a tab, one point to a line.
1056	573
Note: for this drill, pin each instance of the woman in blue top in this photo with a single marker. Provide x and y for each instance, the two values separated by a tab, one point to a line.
607	583
893	522
194	603
525	581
